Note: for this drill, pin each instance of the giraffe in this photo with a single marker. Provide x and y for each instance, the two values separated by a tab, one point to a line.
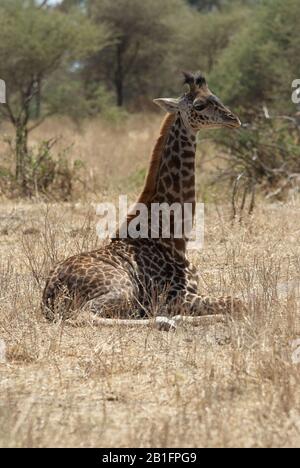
117	283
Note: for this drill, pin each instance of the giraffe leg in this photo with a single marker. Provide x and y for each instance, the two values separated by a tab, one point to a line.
87	317
108	308
201	321
158	323
226	305
118	308
193	305
202	311
114	304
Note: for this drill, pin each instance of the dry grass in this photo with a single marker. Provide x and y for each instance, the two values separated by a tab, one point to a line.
227	385
115	156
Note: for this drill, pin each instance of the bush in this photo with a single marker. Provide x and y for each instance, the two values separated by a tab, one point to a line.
265	154
46	175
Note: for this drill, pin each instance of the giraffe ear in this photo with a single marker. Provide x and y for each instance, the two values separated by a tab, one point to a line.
168	104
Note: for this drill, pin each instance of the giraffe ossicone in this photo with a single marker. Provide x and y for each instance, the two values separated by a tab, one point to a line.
148	278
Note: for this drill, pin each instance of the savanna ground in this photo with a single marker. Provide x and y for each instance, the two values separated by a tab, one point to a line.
232	384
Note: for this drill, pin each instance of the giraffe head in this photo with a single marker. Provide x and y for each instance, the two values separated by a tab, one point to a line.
199	107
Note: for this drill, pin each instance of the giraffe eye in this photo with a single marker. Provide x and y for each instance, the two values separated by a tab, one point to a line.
200	106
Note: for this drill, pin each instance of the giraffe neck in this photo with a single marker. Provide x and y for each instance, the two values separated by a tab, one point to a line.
171	177
175	178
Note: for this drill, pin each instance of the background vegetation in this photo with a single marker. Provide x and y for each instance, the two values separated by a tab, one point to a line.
89	58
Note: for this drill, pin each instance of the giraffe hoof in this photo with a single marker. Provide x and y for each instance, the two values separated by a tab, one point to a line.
164	324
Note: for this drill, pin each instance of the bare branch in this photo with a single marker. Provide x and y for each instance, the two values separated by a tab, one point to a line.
268	116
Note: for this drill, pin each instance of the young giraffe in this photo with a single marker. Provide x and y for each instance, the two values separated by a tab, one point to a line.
117	281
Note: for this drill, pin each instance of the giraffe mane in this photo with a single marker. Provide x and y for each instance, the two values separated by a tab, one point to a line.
149	187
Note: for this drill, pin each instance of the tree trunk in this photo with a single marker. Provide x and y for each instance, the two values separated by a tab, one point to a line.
38	100
119	81
21	157
120	97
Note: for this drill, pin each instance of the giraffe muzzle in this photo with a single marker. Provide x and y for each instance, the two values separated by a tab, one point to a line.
232	121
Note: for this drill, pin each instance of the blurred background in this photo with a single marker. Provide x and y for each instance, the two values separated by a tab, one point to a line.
81	76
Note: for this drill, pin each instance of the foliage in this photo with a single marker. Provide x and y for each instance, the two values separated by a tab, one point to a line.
263	59
210	35
82	58
34	43
46	175
146	40
264	154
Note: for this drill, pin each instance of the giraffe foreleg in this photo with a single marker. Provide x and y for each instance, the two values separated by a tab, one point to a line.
193	305
158	323
226	305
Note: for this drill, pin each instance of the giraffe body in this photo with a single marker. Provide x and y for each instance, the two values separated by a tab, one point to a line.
119	280
137	278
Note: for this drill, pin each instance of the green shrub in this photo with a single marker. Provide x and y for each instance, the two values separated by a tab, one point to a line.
48	176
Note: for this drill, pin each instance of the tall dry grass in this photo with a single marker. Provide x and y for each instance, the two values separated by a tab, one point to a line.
226	385
115	155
